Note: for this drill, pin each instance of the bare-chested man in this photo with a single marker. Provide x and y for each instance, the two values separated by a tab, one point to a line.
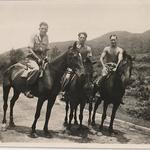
110	54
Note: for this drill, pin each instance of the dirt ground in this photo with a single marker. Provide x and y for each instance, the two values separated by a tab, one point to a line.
24	114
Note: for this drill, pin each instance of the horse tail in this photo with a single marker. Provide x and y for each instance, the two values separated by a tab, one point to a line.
7	76
8	70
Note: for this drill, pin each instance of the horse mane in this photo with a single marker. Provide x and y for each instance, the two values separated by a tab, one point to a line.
71	47
55	60
126	59
126	56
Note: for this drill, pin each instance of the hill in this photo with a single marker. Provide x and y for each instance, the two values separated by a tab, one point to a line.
132	42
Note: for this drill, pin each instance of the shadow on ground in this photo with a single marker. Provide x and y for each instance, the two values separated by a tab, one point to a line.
74	134
120	136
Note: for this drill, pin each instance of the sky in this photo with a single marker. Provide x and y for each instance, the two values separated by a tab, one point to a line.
19	20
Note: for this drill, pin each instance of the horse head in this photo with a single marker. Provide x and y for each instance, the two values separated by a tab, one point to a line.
74	61
125	68
69	59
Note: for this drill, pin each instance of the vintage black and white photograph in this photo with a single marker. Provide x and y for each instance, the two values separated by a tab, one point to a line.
75	73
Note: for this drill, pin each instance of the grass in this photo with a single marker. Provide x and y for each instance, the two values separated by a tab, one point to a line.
122	112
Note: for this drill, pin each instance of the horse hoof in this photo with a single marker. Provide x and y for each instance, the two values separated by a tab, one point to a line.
68	132
112	132
65	124
76	123
47	134
68	127
93	123
3	128
100	128
12	125
33	135
89	123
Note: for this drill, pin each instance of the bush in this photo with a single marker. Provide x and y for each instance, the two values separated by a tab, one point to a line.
140	89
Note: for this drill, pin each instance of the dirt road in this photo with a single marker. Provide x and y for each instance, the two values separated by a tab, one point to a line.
24	113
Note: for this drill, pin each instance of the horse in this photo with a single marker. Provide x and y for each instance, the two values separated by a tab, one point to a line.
112	90
78	93
46	88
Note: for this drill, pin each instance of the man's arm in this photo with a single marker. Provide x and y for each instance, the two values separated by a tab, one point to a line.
31	46
47	48
103	56
33	54
89	54
120	57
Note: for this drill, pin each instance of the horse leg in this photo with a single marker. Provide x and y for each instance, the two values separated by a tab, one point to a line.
6	90
37	115
82	105
75	116
50	104
103	115
98	102
90	111
115	107
66	117
70	117
12	103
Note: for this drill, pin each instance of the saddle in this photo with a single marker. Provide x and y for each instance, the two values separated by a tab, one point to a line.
110	67
102	79
27	70
19	69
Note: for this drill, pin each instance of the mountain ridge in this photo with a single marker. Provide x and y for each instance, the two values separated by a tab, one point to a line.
131	42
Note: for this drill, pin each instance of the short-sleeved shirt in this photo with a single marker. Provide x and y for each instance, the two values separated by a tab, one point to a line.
39	45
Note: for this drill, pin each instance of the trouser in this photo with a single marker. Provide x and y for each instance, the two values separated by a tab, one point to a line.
33	76
33	73
66	79
101	78
100	81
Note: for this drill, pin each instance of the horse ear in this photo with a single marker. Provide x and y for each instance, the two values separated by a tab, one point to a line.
124	54
70	48
74	45
127	56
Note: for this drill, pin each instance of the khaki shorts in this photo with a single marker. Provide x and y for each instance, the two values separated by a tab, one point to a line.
32	64
104	72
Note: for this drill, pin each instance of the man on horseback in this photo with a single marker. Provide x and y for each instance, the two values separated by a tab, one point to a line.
110	55
86	54
38	47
